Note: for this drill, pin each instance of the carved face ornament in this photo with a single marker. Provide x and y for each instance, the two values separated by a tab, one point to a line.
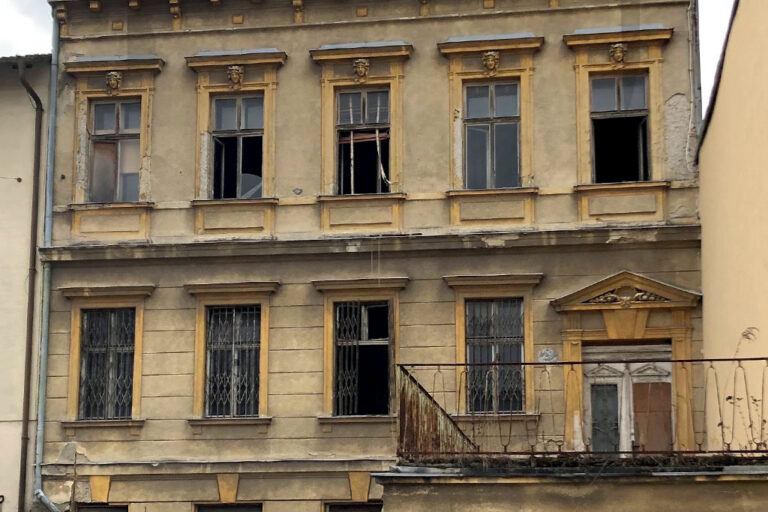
113	81
361	67
618	52
491	62
235	75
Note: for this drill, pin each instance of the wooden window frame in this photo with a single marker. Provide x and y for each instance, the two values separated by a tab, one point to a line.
230	294
104	298
498	286
87	73
357	290
209	88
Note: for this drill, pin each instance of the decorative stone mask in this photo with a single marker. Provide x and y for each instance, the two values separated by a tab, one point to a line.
113	80
235	75
491	62
361	67
618	52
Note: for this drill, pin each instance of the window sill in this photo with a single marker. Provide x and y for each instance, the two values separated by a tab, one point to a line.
626	185
109	206
492	192
362	197
518	416
325	420
226	202
102	424
225	422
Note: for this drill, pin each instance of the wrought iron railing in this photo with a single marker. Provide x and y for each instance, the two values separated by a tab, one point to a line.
620	408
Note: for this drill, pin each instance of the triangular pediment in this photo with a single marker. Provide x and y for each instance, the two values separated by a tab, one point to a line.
650	370
604	371
627	290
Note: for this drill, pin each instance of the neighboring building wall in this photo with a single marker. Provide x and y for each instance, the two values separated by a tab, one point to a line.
17	130
164	459
734	217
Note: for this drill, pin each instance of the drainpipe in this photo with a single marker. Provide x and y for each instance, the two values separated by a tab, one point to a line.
46	291
31	277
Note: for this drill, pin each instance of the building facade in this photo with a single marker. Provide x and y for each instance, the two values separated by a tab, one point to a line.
19	149
264	209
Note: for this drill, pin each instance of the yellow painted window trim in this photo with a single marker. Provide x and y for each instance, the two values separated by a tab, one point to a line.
87	72
384	289
459	77
205	67
230	294
494	286
331	84
104	297
584	46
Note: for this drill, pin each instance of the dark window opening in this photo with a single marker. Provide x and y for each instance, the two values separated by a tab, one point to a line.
621	149
363	358
361	507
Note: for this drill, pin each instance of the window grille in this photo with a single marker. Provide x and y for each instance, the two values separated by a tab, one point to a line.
233	341
106	371
362	369
491	127
494	334
115	133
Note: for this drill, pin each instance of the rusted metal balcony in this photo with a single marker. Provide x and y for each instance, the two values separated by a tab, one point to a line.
597	409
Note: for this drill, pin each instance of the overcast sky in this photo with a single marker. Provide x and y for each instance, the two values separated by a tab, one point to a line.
25	29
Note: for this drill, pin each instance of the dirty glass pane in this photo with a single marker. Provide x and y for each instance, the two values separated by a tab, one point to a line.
103	172
605	417
506	155
129	170
603	94
226	114
130	116
351	108
507	100
377	107
253	113
478	144
478	102
633	93
104	117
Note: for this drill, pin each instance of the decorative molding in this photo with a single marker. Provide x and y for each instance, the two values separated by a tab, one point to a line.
650	370
617	53
361	68
604	371
228	483
113	80
610	37
235	76
134	4
211	60
114	63
424	8
499	43
491	60
298	11
485	280
361	51
120	291
233	288
175	10
625	300
374	283
100	488
94	5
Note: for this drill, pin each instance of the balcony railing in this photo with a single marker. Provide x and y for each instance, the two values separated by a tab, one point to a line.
593	409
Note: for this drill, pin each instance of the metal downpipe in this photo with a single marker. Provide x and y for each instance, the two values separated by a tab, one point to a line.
46	291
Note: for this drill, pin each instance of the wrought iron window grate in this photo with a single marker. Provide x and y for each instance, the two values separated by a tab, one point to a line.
106	369
494	334
233	341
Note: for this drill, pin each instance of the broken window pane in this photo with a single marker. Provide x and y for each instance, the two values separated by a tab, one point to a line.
603	94
633	93
506	100
130	116
104	117
362	359
233	341
350	108
605	417
478	102
103	172
226	114
253	113
478	146
377	107
506	155
106	363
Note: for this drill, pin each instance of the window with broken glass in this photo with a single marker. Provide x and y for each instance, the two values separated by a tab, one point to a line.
492	135
620	128
106	369
233	342
238	152
115	135
363	358
362	131
494	340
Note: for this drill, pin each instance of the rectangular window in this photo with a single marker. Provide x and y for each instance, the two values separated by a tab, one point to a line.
233	341
494	338
115	129
620	128
362	131
106	369
362	507
363	358
230	508
238	153
492	135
